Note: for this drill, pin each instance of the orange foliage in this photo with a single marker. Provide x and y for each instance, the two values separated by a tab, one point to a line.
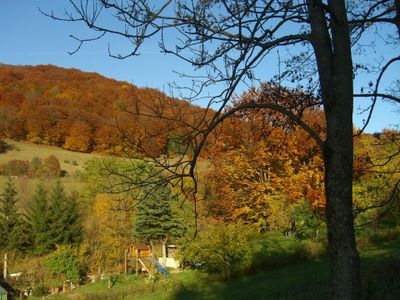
48	104
80	138
53	165
261	154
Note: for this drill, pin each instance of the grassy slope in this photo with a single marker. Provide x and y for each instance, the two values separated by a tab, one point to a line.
306	280
26	151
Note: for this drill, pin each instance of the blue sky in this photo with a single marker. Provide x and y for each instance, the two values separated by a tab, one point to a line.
29	38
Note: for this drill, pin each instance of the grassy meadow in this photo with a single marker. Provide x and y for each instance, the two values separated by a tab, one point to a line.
70	161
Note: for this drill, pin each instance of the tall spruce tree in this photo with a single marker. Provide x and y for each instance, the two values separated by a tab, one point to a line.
65	222
73	232
155	221
14	234
38	217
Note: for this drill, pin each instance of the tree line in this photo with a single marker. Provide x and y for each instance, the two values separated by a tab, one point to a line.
52	218
36	168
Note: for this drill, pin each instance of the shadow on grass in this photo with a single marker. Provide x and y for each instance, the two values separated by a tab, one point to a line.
305	280
300	281
381	271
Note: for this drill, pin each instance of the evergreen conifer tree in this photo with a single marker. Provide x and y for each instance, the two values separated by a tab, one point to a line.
155	221
38	217
73	232
64	217
13	227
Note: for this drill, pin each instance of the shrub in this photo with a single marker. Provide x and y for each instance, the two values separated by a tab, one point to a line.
274	250
376	236
219	249
74	162
65	261
384	235
16	167
312	249
40	291
52	166
308	220
35	167
3	146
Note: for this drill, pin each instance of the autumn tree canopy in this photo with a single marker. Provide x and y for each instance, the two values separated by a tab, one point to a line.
80	111
261	156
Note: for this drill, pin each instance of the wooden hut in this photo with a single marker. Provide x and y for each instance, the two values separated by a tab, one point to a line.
3	293
139	250
136	255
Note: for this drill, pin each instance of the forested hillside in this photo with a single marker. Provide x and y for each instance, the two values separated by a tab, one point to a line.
79	111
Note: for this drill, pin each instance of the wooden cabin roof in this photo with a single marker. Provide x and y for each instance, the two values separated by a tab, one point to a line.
140	246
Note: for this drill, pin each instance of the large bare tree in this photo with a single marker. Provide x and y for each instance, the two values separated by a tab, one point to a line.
227	42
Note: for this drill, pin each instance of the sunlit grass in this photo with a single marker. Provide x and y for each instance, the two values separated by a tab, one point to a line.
69	161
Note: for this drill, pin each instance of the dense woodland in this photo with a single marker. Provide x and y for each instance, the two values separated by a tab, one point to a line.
83	111
258	169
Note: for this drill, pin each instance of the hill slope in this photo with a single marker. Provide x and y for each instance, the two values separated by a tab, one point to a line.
77	110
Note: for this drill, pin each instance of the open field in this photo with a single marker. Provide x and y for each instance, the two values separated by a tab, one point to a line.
304	280
70	161
26	151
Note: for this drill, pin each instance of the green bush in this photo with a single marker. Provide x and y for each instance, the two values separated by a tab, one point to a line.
312	249
385	235
39	291
230	250
274	250
308	220
376	235
65	261
219	249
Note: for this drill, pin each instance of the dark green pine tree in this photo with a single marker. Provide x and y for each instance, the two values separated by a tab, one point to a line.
65	222
14	233
155	221
73	232
38	217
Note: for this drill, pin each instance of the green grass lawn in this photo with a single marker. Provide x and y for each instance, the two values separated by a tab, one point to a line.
303	280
